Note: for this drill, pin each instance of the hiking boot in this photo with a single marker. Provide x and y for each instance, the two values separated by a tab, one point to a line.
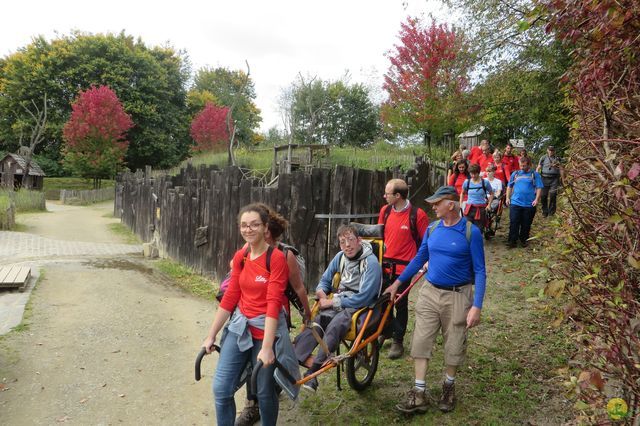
396	350
417	401
448	398
512	244
311	385
524	244
250	415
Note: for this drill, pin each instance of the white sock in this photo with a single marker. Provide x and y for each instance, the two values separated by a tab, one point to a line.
448	379
420	385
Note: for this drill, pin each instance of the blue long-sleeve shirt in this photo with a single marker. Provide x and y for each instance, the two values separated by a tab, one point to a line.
451	258
360	281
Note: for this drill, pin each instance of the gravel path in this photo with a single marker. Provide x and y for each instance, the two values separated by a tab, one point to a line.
106	340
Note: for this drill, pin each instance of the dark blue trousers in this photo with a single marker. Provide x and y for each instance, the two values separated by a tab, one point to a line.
520	219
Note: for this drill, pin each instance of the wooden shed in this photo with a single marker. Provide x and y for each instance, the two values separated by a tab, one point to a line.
12	170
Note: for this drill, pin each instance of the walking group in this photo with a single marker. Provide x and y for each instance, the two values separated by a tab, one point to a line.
253	317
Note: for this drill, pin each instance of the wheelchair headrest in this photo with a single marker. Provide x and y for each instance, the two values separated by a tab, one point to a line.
369	231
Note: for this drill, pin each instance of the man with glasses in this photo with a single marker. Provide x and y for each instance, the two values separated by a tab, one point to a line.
446	301
360	282
404	227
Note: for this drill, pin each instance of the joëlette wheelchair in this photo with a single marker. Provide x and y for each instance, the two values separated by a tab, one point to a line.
361	341
493	218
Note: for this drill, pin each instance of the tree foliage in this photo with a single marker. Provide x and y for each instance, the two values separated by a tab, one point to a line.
525	100
149	81
427	80
209	128
94	136
601	253
229	88
331	112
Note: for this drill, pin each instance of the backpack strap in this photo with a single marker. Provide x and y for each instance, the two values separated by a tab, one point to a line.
269	253
413	224
467	233
483	188
387	212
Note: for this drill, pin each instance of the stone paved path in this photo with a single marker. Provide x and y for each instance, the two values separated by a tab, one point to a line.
19	246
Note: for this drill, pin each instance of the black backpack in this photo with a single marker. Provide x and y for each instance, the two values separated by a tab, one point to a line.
413	222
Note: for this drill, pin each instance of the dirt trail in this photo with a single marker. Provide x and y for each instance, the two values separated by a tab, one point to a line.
107	340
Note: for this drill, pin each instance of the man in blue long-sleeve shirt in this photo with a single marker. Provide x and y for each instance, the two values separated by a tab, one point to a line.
455	252
360	283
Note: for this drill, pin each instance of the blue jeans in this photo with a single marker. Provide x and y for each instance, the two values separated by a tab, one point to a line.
520	219
227	377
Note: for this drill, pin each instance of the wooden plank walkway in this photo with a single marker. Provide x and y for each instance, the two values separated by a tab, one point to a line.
14	276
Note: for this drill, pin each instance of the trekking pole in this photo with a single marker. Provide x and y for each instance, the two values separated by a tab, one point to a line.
421	273
201	355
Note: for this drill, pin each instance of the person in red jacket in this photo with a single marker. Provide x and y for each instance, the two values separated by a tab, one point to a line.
404	227
485	158
254	297
502	169
510	158
460	174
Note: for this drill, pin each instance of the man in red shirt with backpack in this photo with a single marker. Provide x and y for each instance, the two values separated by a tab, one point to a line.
404	227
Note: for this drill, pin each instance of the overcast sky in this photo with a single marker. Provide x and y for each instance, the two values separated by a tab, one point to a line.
279	38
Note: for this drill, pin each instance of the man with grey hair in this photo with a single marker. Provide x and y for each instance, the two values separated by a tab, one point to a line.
446	301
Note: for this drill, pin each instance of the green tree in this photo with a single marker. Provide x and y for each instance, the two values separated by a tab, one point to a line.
332	112
519	67
229	88
149	81
525	101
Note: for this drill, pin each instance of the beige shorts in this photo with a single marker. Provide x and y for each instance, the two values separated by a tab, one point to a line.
442	310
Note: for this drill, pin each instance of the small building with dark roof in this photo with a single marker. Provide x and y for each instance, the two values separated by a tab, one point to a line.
12	171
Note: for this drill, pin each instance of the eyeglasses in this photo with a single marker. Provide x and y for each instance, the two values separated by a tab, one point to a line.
253	226
347	240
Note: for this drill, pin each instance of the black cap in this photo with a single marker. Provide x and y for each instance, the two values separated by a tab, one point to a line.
444	193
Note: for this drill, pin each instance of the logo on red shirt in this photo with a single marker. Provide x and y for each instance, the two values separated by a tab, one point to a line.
261	279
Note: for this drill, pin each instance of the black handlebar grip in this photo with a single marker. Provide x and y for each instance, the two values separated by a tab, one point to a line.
201	354
254	377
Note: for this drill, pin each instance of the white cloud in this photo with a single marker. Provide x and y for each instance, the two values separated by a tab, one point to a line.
279	38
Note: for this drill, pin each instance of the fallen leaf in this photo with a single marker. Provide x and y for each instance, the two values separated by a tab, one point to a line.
121	395
83	400
103	385
62	419
116	351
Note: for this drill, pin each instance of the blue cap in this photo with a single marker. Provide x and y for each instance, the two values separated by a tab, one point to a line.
444	193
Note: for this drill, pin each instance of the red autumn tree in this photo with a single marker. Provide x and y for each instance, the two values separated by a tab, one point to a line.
209	128
94	136
426	79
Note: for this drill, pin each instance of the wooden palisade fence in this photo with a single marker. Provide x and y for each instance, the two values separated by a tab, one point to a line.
192	215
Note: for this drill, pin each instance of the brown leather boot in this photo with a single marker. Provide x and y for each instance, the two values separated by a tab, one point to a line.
417	401
448	399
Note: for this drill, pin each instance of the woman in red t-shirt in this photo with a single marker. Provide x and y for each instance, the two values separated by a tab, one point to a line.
460	174
254	296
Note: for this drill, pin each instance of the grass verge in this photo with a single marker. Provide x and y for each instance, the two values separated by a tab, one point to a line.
125	233
57	183
187	279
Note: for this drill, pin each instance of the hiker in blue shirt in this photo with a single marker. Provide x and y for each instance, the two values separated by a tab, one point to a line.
446	301
523	194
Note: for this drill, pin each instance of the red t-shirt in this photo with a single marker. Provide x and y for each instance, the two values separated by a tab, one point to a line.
503	172
512	161
457	183
398	239
483	160
475	152
254	290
